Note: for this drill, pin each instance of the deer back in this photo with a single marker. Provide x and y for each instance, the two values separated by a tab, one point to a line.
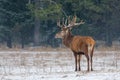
82	44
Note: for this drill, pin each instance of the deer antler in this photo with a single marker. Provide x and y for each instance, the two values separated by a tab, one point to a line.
73	22
70	23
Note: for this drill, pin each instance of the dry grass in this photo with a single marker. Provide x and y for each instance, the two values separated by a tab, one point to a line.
31	61
54	62
106	48
100	48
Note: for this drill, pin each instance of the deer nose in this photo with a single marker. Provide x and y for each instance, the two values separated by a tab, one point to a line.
56	36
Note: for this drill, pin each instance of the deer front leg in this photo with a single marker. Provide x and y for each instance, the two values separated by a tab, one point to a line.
75	55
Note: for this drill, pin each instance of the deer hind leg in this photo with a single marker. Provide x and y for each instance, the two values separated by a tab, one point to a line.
88	68
91	55
86	52
87	56
91	63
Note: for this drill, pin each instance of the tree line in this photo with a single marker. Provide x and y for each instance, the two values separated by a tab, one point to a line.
26	22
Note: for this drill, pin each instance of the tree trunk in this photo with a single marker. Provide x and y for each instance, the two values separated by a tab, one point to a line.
36	26
108	30
108	37
9	42
36	32
22	41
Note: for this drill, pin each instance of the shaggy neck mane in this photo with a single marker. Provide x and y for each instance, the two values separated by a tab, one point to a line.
67	39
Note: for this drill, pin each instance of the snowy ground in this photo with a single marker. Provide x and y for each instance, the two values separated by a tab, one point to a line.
31	65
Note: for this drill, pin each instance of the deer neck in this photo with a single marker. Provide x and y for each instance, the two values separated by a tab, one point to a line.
67	39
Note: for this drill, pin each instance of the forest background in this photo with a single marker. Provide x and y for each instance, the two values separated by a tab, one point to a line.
33	22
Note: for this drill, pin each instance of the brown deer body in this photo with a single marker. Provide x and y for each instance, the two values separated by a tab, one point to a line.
80	45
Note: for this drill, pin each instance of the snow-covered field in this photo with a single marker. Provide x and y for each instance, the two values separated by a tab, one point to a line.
53	65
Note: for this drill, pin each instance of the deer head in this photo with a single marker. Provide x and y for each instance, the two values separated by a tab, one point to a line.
66	26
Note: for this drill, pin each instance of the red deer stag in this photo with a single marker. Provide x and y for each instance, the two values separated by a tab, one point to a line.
80	45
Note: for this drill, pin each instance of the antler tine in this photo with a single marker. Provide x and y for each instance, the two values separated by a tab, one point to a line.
63	22
71	23
66	22
74	19
69	20
58	23
81	22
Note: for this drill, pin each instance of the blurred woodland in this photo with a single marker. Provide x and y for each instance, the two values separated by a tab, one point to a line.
33	22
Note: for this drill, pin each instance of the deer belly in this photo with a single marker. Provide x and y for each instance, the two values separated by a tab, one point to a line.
82	50
79	48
